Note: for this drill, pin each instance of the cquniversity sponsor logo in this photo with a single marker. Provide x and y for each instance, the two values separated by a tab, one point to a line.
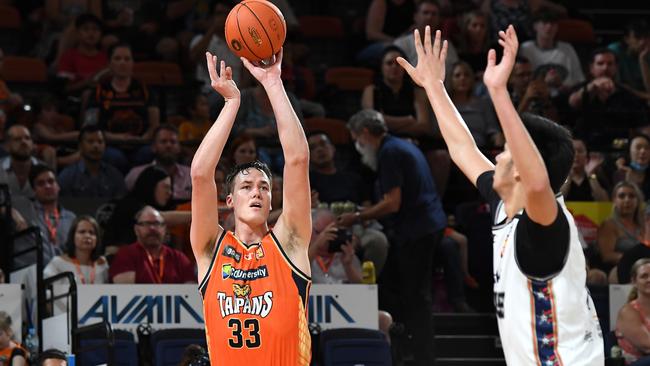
160	309
229	272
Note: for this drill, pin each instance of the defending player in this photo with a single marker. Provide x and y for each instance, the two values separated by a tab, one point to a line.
545	313
254	282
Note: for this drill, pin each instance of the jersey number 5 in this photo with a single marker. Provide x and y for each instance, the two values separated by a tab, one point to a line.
252	326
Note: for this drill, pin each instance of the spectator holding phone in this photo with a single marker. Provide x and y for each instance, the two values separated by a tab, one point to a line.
332	251
333	259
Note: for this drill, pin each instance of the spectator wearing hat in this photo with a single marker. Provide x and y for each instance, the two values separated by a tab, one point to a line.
545	49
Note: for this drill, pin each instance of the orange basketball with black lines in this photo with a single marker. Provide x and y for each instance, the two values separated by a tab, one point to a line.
255	29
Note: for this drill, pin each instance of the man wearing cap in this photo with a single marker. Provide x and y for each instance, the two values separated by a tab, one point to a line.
545	49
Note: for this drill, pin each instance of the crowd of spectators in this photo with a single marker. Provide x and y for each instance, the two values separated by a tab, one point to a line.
96	131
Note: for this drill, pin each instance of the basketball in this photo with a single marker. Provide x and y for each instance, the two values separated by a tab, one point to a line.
255	29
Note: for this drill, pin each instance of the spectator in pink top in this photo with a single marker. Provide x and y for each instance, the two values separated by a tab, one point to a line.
633	322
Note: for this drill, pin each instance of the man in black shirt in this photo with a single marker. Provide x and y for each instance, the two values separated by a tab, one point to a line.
340	185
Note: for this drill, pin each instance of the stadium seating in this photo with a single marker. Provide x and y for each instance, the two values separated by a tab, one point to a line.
168	345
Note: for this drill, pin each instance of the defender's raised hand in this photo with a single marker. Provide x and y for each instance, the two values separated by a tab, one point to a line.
431	59
496	76
221	82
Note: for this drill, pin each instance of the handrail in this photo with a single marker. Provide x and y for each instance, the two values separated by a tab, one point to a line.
40	265
6	230
72	293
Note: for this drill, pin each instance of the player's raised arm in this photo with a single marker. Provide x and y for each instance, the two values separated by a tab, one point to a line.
295	220
205	229
430	74
540	205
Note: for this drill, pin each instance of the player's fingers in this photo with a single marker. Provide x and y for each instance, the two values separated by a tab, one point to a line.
211	66
228	73
436	43
443	53
491	58
222	69
513	34
278	57
418	43
247	64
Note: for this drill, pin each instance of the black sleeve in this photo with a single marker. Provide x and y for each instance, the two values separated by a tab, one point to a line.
17	351
541	251
484	185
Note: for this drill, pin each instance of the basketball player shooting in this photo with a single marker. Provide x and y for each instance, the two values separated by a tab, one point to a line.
254	281
544	311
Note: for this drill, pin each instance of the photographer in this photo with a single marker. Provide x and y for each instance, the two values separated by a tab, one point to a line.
332	251
333	259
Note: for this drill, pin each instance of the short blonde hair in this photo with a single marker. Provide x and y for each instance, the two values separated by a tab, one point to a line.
5	321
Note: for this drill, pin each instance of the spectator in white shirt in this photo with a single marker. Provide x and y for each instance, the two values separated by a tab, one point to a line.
546	49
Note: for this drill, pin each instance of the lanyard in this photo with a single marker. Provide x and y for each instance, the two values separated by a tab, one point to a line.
52	227
325	264
161	269
81	275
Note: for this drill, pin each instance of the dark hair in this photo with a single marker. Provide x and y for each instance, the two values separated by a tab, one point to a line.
87	18
70	245
555	146
600	51
51	354
370	119
632	138
88	129
195	355
577	138
111	50
431	2
237	142
164	127
637	26
546	15
37	170
388	49
468	67
46	101
144	187
230	178
318	132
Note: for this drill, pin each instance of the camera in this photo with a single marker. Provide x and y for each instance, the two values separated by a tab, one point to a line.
343	235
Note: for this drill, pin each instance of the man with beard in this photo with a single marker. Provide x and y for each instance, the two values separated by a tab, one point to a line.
167	149
332	184
90	176
15	168
414	222
149	260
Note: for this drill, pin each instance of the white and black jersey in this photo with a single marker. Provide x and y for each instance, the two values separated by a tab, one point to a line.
545	314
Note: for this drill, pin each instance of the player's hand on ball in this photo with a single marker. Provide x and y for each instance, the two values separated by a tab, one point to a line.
222	81
267	75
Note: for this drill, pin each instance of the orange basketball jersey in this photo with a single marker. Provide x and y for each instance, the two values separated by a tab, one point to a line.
254	303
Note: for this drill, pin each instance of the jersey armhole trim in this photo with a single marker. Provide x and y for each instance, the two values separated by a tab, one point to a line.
206	279
286	258
550	276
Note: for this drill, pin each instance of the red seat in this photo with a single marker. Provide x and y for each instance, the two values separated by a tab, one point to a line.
336	129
